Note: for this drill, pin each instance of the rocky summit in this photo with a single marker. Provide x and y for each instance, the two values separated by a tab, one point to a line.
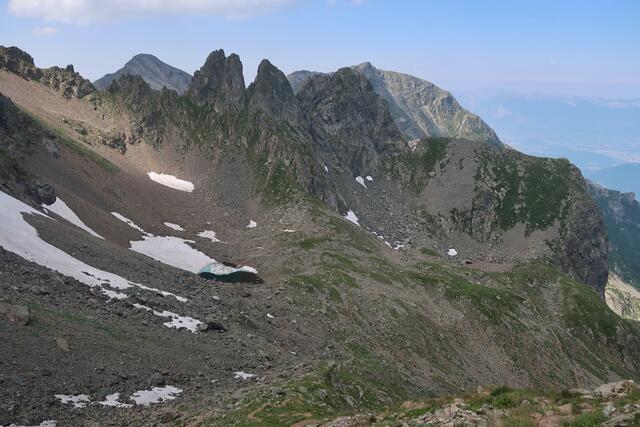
340	249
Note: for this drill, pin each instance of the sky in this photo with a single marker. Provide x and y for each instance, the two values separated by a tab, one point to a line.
586	48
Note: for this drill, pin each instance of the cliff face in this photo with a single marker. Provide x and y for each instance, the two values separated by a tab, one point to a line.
350	122
621	214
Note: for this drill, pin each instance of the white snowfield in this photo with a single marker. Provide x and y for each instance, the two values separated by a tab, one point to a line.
172	251
174	226
62	209
171	181
360	181
350	216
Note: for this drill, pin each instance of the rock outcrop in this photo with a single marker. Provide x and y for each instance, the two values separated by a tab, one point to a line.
155	72
64	80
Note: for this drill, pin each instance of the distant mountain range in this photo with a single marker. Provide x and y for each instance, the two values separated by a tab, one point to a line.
155	72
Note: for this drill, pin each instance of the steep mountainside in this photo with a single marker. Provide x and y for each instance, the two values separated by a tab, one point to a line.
155	72
419	108
347	269
621	214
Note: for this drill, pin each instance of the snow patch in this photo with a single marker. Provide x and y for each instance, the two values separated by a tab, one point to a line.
176	322
78	400
369	178
174	226
113	400
171	250
271	316
171	181
350	216
61	208
288	230
243	375
326	169
452	252
211	235
128	222
360	181
252	224
155	395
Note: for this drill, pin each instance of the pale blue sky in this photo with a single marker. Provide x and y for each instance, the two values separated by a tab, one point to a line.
565	47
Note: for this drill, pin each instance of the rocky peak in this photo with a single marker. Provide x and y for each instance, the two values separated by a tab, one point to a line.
219	82
350	120
18	62
271	93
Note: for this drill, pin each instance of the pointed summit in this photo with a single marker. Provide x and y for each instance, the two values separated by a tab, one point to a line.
271	93
219	82
155	72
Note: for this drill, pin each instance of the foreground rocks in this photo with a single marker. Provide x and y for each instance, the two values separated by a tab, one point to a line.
612	404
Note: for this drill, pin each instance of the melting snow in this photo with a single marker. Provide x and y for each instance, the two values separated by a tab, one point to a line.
155	395
174	226
219	269
171	181
128	222
452	252
211	235
114	401
243	375
59	207
350	216
78	401
252	224
369	178
177	321
360	181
